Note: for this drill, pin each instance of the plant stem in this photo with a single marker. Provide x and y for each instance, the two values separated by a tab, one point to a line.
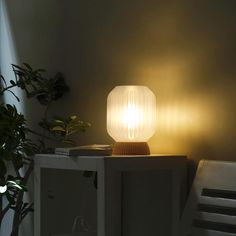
19	202
26	212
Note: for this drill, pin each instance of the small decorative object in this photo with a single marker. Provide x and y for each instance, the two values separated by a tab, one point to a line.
131	119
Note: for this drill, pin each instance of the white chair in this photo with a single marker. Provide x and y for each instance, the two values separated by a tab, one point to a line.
211	206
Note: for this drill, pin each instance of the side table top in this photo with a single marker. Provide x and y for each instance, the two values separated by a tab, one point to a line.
134	162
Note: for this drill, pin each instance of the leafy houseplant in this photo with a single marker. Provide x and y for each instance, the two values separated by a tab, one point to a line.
16	146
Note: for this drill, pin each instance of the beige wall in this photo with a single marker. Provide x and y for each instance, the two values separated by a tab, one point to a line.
183	50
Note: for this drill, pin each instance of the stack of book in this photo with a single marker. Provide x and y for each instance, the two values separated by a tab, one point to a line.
87	150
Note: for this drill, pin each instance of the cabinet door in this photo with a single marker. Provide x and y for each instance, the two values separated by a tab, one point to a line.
68	203
147	203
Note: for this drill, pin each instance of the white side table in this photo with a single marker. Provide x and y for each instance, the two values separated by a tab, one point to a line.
136	195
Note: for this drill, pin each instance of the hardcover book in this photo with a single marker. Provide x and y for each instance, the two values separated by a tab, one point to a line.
87	150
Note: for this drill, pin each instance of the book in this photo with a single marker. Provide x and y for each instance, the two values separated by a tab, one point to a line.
87	150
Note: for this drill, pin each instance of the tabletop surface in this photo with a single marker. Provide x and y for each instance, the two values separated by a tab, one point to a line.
112	157
117	162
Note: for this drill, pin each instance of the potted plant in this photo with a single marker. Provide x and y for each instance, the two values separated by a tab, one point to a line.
17	149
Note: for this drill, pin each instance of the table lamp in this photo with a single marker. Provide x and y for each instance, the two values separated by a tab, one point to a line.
131	119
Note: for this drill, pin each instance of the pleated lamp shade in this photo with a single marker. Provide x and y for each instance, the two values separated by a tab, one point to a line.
131	119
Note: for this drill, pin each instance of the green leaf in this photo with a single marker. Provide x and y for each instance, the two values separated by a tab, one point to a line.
4	81
16	66
73	117
12	82
28	66
13	184
59	121
58	128
10	198
14	95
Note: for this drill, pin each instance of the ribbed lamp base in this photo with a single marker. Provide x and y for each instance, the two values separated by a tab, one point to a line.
131	148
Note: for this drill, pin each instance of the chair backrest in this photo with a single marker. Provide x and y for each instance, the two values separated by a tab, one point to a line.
211	206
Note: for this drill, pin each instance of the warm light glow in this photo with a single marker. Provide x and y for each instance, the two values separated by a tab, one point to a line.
131	113
181	118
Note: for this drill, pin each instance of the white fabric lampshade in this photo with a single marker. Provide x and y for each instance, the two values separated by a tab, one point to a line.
131	113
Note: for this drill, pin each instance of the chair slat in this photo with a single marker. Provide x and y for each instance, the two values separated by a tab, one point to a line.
219	193
216	226
204	232
210	208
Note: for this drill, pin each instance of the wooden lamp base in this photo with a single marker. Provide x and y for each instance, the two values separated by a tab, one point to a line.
131	148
